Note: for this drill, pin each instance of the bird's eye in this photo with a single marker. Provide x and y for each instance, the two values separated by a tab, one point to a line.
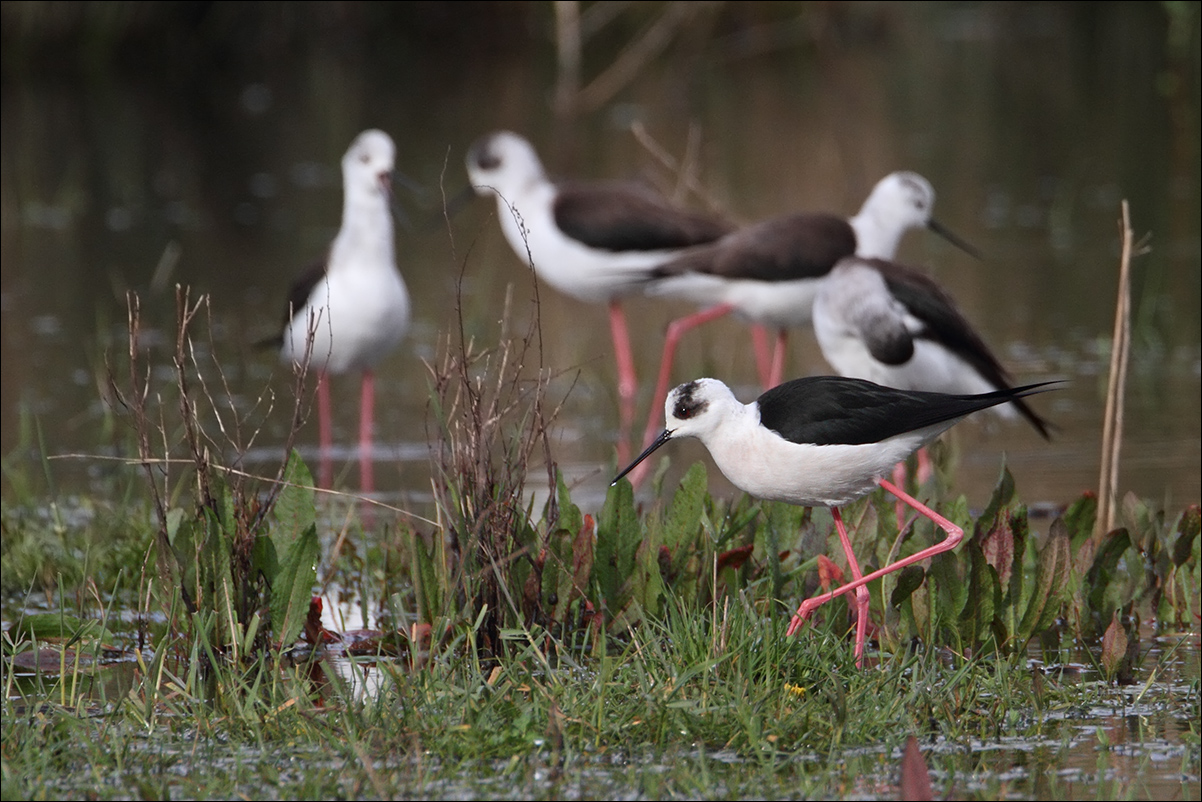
365	158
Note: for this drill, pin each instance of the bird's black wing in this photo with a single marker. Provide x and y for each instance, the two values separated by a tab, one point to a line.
626	216
789	248
945	323
833	410
298	296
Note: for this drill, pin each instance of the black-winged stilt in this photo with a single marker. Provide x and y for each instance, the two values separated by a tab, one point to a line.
349	310
586	239
769	272
822	441
894	325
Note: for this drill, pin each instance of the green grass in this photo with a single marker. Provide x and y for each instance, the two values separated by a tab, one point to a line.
706	703
638	654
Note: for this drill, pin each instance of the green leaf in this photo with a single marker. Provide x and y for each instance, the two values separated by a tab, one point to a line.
1051	583
985	597
618	537
1014	600
425	574
570	520
1003	492
1103	574
292	588
684	518
909	579
59	626
295	506
1188	528
1080	518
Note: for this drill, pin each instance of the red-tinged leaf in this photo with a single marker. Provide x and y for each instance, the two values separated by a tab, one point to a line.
582	556
735	557
915	776
1114	647
998	547
828	572
664	558
314	632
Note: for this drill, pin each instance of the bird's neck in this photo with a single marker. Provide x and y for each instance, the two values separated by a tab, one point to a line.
366	234
875	239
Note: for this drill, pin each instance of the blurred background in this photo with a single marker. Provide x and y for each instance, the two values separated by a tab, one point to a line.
147	144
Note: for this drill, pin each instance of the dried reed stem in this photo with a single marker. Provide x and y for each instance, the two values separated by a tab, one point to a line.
1112	427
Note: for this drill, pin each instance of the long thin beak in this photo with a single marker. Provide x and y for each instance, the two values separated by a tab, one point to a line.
947	234
664	437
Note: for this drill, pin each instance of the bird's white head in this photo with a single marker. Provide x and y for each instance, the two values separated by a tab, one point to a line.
503	163
695	408
369	162
900	201
698	409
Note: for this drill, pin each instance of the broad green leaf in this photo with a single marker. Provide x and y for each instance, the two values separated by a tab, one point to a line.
984	598
909	579
684	518
59	626
295	506
292	588
1003	492
1051	583
1103	575
570	520
1188	528
1014	600
648	582
1080	518
618	536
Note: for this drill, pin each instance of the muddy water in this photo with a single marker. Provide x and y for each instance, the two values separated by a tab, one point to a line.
1032	122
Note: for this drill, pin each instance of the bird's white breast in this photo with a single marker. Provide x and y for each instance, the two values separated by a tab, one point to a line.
760	462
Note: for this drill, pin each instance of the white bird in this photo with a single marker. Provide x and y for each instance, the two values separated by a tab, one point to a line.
769	273
351	309
822	441
894	325
585	239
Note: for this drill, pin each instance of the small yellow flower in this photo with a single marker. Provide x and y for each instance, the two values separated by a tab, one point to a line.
796	690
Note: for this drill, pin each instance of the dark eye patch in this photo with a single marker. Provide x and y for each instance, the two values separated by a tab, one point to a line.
687	405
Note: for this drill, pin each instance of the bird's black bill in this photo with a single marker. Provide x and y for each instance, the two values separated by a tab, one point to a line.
664	437
950	236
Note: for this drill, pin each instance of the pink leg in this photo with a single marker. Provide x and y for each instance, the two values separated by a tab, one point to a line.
925	469
861	592
627	383
367	400
954	535
899	479
325	430
676	330
763	360
778	360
